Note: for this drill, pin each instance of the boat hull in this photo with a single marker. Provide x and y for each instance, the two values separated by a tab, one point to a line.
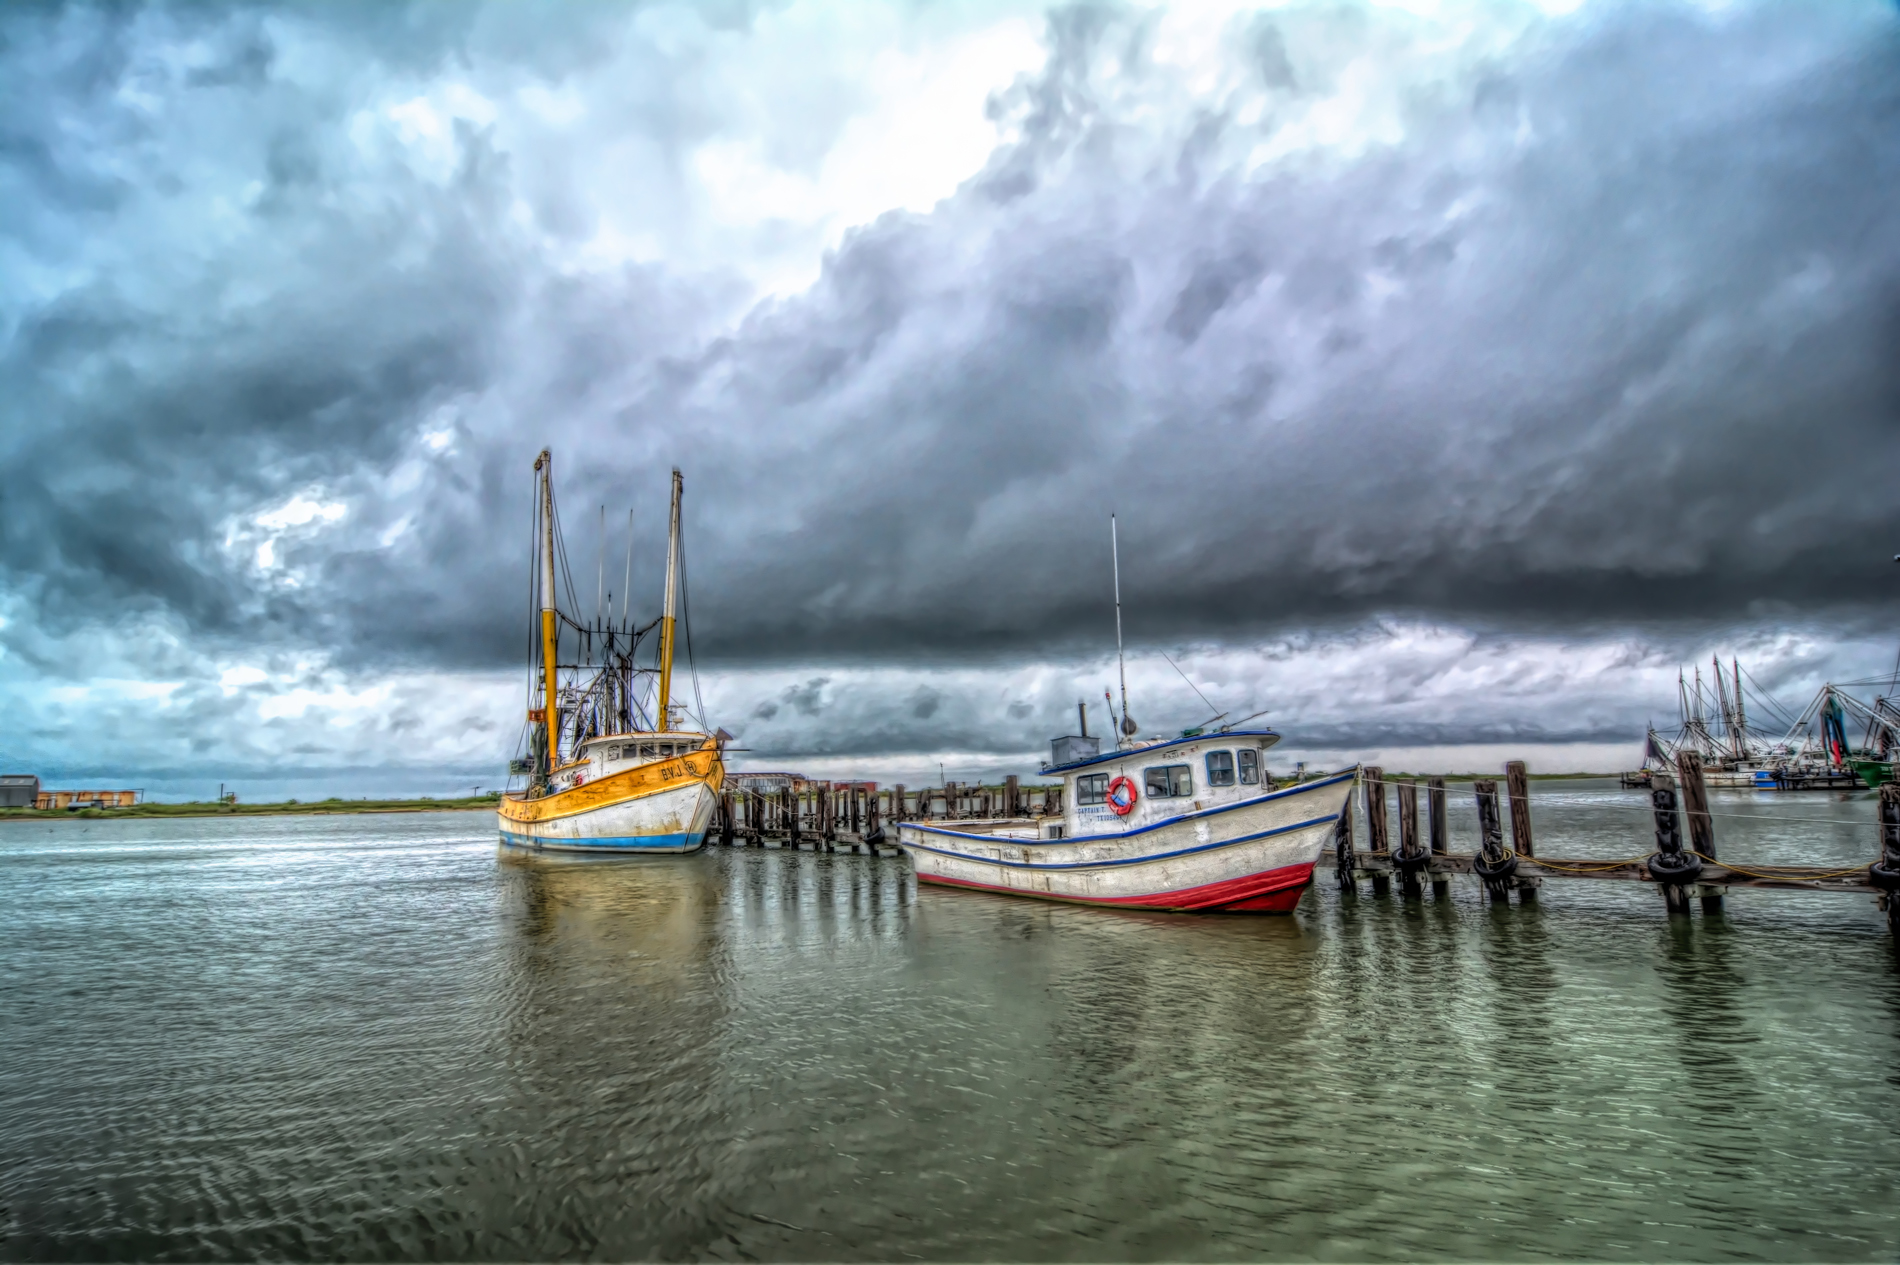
659	809
1255	856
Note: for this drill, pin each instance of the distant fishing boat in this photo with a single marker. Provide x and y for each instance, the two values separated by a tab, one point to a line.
1815	754
604	775
1189	823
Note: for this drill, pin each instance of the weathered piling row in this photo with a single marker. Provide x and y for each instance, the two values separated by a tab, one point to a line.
778	810
1681	866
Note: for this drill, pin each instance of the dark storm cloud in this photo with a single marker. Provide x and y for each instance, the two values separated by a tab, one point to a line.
1612	336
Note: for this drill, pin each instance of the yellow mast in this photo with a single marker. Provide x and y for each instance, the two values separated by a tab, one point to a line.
550	721
666	613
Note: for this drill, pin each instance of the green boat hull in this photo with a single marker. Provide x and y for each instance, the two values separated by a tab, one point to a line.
1872	773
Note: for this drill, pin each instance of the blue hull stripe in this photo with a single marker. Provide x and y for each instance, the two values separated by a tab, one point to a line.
610	843
1103	865
1302	789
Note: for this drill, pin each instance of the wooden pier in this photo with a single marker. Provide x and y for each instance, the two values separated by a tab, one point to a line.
773	810
1683	869
784	811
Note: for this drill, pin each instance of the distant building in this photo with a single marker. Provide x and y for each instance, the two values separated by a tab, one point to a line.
87	799
19	790
764	783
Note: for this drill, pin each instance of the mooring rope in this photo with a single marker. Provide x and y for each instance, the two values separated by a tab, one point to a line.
1600	867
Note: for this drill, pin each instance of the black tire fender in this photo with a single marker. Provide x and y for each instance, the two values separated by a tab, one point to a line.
1675	868
1485	870
1885	877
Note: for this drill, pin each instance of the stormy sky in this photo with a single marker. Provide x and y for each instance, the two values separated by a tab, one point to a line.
1456	371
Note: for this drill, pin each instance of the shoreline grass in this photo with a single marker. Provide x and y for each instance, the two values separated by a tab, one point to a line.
283	808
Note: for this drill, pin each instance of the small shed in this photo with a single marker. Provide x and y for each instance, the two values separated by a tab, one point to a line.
19	790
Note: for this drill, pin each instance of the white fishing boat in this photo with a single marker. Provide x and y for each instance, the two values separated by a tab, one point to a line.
1188	823
604	773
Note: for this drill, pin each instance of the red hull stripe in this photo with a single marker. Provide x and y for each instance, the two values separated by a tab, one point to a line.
1270	891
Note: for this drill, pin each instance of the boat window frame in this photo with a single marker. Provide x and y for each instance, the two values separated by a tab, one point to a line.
1247	765
1169	781
1091	789
1219	778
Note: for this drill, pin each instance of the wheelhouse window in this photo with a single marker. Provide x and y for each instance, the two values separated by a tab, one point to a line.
1220	768
1249	766
646	751
1091	788
1169	781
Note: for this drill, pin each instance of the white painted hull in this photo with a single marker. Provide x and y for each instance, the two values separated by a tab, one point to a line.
665	821
1256	855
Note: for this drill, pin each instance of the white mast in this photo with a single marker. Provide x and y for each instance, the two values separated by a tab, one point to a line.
1114	545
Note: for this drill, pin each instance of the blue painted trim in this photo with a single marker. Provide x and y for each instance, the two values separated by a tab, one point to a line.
1283	793
611	843
1159	747
1102	865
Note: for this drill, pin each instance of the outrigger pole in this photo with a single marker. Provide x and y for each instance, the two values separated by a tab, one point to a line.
666	614
544	466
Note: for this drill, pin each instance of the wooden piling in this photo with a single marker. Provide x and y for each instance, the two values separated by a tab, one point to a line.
1662	801
1884	872
725	818
1491	837
1012	796
1441	835
1408	834
1695	807
1377	838
1517	780
1344	867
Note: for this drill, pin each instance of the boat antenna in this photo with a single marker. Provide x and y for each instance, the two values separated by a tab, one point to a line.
600	573
1121	659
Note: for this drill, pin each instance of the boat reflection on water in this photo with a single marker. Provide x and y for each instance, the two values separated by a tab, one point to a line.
662	899
621	941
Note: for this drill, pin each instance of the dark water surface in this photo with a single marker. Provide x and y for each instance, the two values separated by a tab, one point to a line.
375	1038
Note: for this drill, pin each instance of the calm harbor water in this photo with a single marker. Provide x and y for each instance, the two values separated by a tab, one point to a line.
378	1038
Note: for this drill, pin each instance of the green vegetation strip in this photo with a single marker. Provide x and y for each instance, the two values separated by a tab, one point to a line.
315	807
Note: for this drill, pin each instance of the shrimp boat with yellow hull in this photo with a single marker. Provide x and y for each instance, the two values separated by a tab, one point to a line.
600	780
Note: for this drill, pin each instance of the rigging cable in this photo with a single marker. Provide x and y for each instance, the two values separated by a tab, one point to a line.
686	613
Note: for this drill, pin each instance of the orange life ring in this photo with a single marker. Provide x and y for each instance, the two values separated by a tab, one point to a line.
1122	796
